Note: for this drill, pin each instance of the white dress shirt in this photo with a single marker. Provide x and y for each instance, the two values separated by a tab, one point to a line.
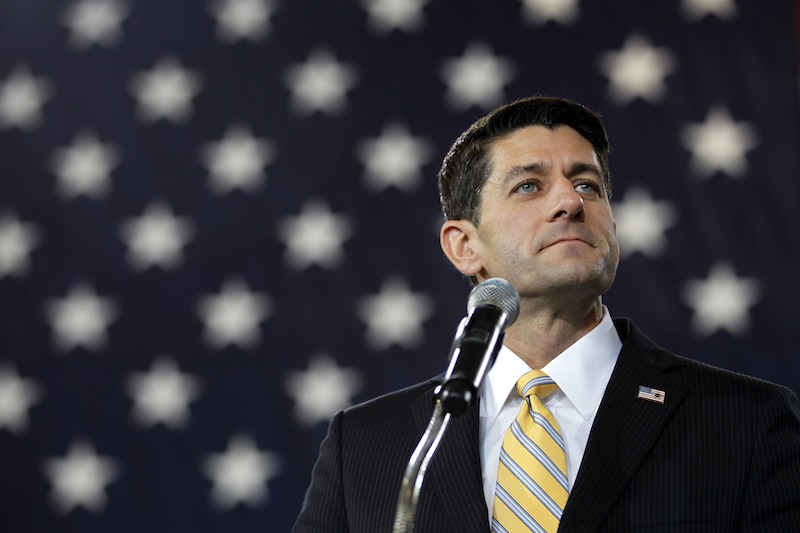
581	372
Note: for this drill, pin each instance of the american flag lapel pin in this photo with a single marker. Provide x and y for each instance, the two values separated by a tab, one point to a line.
654	395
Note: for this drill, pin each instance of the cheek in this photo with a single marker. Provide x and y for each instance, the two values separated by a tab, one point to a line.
607	228
515	223
516	241
610	231
607	223
504	238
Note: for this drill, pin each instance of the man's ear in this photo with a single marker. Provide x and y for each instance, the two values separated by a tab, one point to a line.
461	246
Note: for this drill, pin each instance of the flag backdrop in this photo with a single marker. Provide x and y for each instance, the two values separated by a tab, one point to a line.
219	222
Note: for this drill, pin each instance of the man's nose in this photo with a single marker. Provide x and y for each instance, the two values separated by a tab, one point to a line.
567	202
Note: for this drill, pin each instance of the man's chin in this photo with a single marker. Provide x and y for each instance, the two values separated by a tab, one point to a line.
580	278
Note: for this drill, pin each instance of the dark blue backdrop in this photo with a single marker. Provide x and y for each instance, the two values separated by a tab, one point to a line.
218	222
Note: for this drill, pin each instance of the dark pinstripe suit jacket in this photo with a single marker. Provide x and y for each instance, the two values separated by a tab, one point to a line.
722	453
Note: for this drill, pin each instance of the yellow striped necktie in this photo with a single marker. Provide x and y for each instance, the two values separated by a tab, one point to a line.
532	487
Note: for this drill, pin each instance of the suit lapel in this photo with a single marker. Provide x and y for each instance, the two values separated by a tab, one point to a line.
624	430
454	472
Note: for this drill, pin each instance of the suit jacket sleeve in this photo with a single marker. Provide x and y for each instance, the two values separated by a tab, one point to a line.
324	506
772	502
357	478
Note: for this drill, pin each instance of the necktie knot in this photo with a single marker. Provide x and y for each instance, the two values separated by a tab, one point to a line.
536	383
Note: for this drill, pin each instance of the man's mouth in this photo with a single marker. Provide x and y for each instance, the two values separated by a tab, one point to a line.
567	240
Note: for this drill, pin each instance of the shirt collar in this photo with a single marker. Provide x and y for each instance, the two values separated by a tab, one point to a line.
581	371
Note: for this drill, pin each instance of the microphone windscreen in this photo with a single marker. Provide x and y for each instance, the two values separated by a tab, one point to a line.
497	292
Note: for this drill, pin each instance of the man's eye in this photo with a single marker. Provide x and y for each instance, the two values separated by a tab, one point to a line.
586	187
527	187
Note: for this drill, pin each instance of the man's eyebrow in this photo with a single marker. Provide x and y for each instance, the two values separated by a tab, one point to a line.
583	168
541	168
537	167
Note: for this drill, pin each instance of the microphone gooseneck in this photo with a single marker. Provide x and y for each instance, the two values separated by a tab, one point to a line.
491	307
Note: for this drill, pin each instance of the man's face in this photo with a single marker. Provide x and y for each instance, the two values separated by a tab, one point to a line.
545	220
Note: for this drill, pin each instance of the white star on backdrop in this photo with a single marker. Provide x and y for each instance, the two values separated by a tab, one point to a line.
162	395
80	478
233	316
477	78
388	15
84	168
394	315
642	223
94	22
81	318
240	474
17	240
719	144
722	301
22	96
17	396
237	161
538	12
156	238
320	84
314	237
637	70
322	390
242	19
165	92
394	159
697	9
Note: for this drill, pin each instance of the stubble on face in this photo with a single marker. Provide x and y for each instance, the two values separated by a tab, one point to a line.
543	242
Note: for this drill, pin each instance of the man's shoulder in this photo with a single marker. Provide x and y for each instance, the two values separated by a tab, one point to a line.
395	401
391	423
704	372
704	378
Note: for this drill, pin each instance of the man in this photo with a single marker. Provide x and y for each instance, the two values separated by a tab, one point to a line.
651	441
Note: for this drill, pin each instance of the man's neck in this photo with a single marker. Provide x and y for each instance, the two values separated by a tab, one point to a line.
540	334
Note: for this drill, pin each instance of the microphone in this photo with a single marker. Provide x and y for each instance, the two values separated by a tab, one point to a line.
491	307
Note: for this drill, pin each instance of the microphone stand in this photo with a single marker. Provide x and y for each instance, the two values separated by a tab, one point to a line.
493	305
417	466
453	397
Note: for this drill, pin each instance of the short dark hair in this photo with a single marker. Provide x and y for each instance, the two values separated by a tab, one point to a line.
467	166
